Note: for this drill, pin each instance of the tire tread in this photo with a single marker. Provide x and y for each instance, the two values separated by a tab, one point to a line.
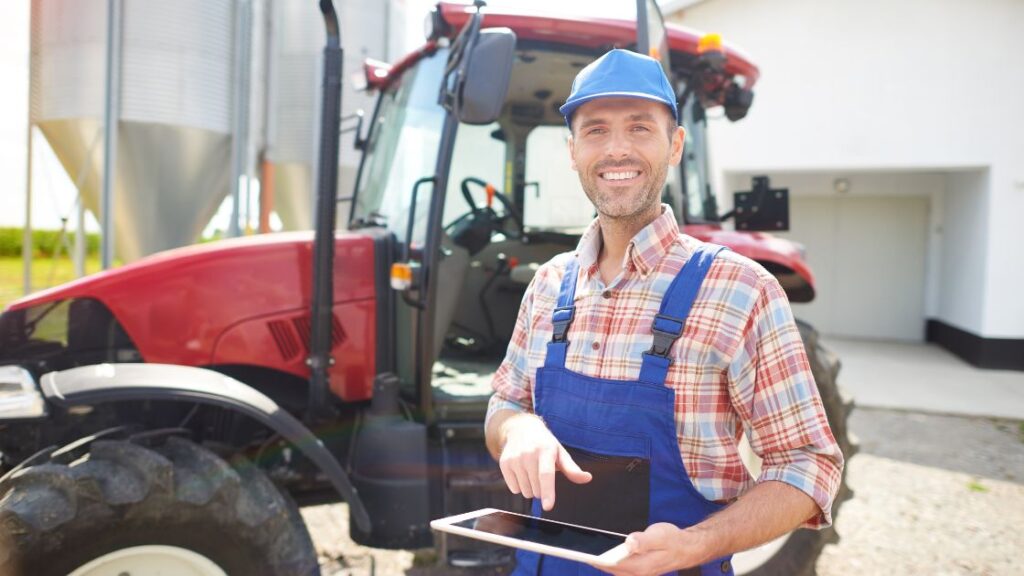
120	492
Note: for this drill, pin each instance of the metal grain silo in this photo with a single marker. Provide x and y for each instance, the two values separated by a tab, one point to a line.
174	138
297	41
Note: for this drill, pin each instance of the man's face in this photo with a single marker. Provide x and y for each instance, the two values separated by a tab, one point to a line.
622	148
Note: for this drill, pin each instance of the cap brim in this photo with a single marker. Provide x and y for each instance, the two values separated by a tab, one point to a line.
570	106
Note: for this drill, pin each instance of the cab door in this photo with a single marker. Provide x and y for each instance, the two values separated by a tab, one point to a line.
651	35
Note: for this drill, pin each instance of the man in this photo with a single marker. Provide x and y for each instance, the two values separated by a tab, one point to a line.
639	359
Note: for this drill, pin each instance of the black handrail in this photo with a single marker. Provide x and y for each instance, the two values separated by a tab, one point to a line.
319	408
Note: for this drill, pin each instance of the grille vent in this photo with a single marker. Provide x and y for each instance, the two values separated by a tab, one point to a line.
292	337
285	339
304	326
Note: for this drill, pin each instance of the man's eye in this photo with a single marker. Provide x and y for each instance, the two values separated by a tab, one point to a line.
596	131
641	129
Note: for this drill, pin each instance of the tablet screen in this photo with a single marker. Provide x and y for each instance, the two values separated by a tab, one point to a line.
540	531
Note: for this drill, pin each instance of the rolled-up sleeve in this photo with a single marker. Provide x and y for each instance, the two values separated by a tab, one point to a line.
775	394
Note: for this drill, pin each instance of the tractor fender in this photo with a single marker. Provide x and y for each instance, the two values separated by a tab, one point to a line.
100	383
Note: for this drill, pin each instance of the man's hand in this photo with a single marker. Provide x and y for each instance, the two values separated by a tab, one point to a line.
659	549
765	512
529	457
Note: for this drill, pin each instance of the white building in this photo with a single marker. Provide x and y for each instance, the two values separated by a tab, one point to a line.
898	128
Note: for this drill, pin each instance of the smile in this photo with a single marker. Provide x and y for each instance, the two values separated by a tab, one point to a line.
620	175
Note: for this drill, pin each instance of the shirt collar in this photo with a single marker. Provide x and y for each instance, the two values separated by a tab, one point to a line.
645	250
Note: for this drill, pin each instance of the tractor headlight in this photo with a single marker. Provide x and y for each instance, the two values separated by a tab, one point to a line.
19	395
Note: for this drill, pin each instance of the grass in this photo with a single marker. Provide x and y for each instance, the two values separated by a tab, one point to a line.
46	272
976	486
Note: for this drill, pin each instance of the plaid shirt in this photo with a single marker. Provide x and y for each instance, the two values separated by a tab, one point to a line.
740	365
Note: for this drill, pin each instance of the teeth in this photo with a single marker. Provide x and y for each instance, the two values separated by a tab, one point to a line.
620	175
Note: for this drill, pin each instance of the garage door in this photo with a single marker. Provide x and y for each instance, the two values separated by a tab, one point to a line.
868	256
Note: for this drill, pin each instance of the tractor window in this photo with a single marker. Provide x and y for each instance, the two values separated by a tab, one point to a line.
48	323
402	148
63	334
479	155
554	198
695	167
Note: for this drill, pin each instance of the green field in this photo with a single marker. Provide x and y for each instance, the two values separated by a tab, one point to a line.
46	272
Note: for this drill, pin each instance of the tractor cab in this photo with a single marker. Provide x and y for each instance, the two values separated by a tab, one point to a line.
509	200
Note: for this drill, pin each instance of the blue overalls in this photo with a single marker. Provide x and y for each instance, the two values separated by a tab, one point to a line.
623	432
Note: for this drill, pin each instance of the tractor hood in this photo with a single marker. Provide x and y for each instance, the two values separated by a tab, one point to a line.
184	306
783	258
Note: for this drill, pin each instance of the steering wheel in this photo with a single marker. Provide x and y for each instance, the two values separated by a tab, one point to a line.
473	229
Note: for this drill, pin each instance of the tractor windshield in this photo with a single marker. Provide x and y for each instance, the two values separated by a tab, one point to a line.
524	156
402	148
695	190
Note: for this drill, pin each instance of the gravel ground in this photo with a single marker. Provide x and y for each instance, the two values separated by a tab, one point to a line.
340	556
934	495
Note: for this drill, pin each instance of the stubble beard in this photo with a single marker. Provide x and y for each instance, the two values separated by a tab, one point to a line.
612	206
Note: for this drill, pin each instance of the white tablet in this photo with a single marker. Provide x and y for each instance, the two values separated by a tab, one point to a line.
568	541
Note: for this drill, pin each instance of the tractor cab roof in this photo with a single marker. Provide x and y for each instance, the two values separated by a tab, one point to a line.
583	34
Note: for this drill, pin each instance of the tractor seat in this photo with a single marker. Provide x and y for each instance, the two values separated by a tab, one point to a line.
524	273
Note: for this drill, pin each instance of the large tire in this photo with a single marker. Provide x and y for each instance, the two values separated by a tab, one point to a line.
799	552
55	518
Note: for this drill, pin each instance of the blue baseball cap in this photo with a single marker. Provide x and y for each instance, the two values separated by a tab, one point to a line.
620	74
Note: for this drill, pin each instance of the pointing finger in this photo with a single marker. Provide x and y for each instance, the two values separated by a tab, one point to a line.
571	470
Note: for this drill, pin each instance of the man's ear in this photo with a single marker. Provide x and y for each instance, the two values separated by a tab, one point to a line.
572	153
678	141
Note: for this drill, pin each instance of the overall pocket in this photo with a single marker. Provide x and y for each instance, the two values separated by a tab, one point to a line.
617	499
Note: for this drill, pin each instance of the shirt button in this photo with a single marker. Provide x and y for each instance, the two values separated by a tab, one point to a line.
596	345
606	294
726	566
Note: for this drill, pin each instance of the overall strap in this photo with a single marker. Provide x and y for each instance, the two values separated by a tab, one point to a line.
561	316
675	307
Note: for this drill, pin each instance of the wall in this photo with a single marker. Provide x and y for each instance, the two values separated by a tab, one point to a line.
875	249
895	86
964	252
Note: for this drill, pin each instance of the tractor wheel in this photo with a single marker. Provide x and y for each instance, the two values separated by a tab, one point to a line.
797	553
175	508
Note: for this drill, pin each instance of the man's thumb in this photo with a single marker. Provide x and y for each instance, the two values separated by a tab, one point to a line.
570	469
636	543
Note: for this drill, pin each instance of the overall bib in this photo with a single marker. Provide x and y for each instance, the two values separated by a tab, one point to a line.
623	432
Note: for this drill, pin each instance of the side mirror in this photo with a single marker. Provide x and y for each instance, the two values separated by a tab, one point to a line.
737	102
762	208
485	84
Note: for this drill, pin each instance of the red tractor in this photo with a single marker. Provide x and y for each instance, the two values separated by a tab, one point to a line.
175	410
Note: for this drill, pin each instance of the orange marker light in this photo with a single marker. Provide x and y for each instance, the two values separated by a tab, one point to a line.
709	43
655	53
401	276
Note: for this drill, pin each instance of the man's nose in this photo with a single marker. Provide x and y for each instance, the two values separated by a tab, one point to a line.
618	144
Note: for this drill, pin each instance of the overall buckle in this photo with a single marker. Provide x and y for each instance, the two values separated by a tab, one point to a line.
666	331
561	317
